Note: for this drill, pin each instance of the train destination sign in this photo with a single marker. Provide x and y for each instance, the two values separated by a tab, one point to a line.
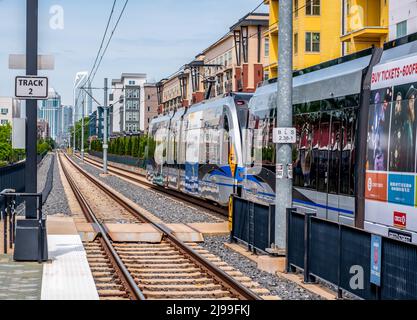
31	87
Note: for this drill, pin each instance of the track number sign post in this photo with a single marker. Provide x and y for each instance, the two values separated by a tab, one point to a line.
284	135
28	87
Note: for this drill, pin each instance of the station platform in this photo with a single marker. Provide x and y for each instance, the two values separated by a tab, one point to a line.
66	276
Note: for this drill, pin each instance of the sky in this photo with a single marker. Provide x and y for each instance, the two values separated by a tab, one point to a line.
155	37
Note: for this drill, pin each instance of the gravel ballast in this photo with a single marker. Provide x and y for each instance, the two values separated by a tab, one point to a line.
43	168
165	208
56	202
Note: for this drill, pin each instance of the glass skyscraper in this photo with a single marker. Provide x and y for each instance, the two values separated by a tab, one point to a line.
50	110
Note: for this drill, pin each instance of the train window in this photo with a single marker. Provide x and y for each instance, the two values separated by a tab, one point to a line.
301	151
225	141
212	144
347	180
307	162
335	149
329	104
268	147
323	152
313	106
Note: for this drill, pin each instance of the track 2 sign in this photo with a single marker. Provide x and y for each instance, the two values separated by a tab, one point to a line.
28	87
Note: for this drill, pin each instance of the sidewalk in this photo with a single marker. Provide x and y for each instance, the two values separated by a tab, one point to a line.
19	281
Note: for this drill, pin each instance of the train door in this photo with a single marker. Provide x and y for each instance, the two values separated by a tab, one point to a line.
172	163
160	155
193	137
182	147
227	162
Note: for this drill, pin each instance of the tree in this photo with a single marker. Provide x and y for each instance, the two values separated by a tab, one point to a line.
135	147
128	146
121	149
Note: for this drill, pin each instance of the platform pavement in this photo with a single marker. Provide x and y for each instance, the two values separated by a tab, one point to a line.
66	276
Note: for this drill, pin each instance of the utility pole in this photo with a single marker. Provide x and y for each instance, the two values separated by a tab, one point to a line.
73	117
105	133
82	126
31	178
284	183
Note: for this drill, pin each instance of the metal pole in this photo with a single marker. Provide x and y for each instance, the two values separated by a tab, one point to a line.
284	119
105	133
31	106
82	126
73	118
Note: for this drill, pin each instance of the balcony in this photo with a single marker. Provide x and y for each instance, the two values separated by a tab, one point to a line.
374	34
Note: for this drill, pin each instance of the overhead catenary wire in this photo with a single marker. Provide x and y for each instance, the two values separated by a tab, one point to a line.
96	65
109	40
102	40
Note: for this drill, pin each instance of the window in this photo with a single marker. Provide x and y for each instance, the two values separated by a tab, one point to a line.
295	43
149	97
312	42
4	111
313	7
132	93
296	8
402	29
132	82
266	47
3	122
149	109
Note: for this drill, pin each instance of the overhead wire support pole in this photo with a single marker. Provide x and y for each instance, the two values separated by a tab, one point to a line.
105	133
284	184
82	126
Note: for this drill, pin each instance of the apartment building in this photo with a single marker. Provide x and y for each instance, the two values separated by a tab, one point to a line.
151	103
365	24
328	29
402	18
128	100
234	63
317	30
9	109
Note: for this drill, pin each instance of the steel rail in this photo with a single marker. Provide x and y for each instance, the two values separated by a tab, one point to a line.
188	198
121	269
233	286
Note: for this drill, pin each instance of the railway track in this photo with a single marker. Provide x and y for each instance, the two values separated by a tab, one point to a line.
170	269
141	179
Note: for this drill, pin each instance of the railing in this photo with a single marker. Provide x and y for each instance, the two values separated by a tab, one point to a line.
354	260
28	236
253	224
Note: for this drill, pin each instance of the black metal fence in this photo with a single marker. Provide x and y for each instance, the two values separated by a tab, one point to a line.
253	224
13	177
343	256
127	160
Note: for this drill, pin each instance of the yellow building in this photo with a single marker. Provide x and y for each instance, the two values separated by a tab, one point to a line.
328	29
366	24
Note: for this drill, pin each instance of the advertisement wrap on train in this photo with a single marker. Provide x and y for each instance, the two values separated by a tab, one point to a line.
391	172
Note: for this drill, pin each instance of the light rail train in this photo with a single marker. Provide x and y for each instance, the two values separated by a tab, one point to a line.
355	157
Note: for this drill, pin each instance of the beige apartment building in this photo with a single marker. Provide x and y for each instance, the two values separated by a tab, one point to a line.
234	63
